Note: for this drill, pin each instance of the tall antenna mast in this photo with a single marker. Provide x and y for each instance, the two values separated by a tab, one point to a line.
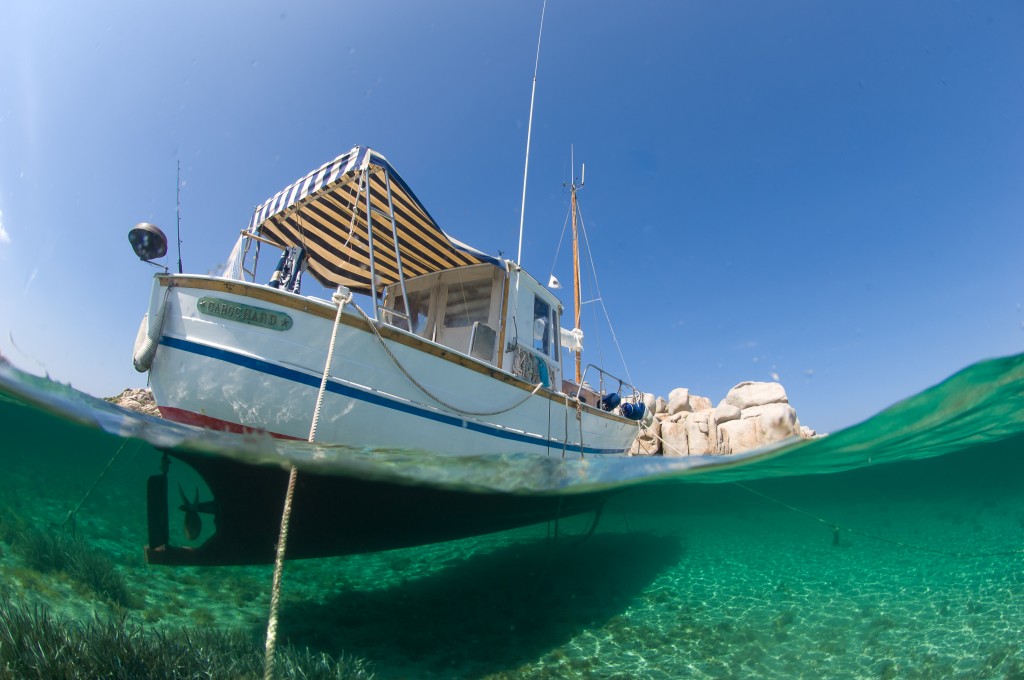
179	216
529	130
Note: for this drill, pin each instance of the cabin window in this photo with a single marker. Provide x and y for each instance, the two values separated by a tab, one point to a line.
542	330
467	303
419	311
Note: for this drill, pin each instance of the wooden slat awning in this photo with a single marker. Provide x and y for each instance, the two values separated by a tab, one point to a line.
325	213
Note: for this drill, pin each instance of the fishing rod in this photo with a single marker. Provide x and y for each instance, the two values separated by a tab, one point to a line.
178	187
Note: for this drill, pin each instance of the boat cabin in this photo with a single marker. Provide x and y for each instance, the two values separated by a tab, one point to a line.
499	315
355	223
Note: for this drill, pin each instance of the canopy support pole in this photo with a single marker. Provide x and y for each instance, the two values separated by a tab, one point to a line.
398	253
369	240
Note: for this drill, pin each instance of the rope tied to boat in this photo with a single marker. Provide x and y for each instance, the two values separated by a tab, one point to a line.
565	439
838	528
422	388
641	430
70	519
341	297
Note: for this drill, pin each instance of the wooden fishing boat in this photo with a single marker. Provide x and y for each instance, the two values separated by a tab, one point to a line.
425	344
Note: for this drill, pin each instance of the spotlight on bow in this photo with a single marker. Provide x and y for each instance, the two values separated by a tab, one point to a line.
148	241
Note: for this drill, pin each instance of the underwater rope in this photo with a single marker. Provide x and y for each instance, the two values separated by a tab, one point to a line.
593	525
71	515
424	390
836	528
275	591
342	296
550	541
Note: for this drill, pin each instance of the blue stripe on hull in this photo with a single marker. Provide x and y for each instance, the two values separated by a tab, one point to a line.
292	375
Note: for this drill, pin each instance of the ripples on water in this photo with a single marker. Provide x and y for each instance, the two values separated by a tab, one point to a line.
905	561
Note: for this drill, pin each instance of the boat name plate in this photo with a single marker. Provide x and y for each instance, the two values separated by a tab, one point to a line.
236	311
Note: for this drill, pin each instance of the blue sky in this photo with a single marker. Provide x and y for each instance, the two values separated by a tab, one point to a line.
827	192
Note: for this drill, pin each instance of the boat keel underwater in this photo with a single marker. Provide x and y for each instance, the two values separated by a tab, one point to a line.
332	515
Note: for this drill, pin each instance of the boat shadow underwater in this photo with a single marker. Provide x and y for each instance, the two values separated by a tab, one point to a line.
488	613
334	515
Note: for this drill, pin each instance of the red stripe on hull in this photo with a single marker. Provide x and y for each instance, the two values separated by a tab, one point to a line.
190	418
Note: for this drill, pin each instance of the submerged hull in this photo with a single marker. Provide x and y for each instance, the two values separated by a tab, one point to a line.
334	516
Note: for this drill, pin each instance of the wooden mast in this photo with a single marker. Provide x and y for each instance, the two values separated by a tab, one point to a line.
576	272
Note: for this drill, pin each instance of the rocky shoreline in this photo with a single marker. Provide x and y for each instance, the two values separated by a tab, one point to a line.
752	414
139	400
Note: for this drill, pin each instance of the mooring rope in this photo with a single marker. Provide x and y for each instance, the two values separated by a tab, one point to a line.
550	545
565	439
341	297
71	515
424	390
270	652
837	528
665	444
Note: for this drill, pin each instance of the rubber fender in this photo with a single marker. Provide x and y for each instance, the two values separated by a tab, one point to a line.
145	347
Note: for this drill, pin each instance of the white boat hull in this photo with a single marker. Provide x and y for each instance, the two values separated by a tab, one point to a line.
227	373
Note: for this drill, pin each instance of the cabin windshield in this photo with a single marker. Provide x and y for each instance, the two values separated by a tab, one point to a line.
459	308
468	302
419	312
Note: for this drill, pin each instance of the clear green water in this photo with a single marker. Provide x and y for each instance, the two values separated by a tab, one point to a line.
736	576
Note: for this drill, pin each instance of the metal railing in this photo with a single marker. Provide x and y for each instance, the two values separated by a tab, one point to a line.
604	381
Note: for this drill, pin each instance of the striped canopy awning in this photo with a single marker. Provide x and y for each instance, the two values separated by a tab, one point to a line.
325	212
